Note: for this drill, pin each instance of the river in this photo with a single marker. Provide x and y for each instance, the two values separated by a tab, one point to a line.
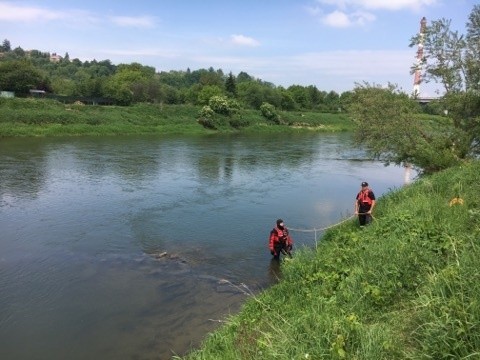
136	247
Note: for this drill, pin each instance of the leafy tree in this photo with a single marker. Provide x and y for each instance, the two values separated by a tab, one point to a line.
451	58
464	109
300	95
287	102
472	57
391	130
6	47
244	77
208	92
250	94
21	76
19	52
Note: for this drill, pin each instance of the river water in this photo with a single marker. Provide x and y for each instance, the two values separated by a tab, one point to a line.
136	247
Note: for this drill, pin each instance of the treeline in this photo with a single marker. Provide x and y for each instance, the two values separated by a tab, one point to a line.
125	84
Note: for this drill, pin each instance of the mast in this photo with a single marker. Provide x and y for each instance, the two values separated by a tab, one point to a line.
417	77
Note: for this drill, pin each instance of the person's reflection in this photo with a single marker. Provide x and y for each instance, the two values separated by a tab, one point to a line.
274	271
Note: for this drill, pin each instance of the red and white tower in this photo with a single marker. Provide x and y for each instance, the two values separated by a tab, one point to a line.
417	78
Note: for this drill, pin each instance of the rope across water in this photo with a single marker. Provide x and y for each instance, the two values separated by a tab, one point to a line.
315	230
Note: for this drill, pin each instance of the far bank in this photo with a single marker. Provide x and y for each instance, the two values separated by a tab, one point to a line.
44	117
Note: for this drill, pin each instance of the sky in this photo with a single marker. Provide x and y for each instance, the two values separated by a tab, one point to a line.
331	44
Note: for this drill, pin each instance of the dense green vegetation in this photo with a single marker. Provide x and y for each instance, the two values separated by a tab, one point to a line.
43	117
391	127
405	287
125	84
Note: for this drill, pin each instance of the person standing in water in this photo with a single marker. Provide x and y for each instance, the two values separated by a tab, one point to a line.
280	241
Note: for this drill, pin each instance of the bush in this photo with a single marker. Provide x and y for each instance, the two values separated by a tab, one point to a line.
207	112
223	105
269	112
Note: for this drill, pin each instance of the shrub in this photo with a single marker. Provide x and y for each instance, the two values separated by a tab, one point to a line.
269	112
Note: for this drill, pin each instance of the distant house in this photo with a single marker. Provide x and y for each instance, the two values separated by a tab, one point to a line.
55	58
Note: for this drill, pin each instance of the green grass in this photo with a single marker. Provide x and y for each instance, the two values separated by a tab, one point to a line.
45	117
406	287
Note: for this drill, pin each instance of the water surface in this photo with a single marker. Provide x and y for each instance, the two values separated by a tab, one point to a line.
84	220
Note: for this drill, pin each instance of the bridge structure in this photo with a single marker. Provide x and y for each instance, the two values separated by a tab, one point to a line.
424	100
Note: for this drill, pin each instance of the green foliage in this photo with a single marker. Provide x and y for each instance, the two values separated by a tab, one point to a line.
449	57
207	112
33	117
390	127
207	92
231	85
269	112
127	84
20	76
223	105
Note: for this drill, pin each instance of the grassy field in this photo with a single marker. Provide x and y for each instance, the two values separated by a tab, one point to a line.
405	287
43	117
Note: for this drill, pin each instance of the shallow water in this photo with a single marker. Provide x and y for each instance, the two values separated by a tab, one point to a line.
84	222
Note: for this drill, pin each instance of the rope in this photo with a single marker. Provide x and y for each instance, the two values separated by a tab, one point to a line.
314	230
323	228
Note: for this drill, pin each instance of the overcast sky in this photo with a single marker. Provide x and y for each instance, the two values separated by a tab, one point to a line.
331	44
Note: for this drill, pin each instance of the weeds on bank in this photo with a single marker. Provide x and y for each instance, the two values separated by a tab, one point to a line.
46	117
407	286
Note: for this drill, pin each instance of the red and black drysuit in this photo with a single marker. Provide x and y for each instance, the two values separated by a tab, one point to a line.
365	201
280	240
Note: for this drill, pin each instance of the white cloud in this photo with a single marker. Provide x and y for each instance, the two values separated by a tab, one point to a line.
336	19
379	4
244	40
343	20
12	12
346	13
134	21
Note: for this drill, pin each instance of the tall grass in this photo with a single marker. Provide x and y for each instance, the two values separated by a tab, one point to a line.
46	117
406	287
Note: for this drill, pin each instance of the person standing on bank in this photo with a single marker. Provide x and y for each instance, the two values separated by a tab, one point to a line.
364	204
280	241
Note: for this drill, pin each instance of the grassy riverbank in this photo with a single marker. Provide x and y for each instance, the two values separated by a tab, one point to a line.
406	287
43	117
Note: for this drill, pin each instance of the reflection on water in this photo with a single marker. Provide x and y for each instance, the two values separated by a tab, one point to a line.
85	222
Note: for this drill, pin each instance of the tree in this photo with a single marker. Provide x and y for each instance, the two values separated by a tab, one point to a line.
450	58
250	94
244	77
208	92
390	129
472	57
230	85
300	95
20	76
6	47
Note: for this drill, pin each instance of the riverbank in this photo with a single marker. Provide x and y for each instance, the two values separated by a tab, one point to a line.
407	286
44	117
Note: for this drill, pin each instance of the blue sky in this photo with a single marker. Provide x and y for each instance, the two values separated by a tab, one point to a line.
327	43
